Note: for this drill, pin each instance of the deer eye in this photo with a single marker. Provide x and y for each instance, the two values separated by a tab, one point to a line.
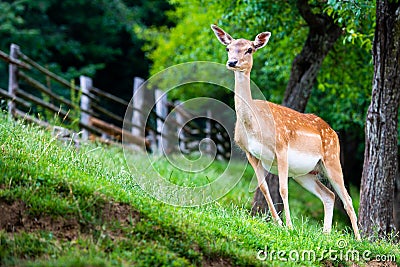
249	51
227	49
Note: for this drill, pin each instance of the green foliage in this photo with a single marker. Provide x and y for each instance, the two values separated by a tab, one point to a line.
92	38
11	18
343	88
187	43
357	18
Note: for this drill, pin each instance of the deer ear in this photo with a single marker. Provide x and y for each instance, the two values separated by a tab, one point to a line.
261	40
222	36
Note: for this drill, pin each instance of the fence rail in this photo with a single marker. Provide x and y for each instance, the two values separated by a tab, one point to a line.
27	96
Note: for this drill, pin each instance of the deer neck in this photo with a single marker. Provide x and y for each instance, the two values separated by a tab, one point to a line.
243	99
256	123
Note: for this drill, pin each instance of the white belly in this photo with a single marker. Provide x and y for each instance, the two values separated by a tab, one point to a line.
300	162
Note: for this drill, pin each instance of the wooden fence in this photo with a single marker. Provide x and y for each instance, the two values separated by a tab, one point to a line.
34	94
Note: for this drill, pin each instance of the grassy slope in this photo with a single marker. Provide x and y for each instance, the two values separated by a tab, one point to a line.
83	208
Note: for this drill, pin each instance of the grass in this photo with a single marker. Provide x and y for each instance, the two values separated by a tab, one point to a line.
83	206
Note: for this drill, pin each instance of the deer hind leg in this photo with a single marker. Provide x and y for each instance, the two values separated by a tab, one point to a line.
334	174
260	173
313	185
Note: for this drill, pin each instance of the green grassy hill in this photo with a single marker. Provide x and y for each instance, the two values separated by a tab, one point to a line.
67	206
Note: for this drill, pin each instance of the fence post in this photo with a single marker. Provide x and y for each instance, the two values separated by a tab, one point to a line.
208	129
180	131
152	138
12	78
138	104
85	85
162	128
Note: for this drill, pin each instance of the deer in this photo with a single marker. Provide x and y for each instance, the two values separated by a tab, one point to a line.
283	141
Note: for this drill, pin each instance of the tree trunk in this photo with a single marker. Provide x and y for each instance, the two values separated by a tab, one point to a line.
380	158
396	207
323	33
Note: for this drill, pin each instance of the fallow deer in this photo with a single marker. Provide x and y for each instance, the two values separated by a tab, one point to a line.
284	141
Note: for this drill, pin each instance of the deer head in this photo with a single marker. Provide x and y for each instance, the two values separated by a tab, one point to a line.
240	51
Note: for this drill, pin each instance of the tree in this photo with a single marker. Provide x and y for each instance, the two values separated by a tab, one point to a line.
322	35
381	150
396	209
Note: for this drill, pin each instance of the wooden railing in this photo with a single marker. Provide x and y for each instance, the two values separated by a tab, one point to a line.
34	94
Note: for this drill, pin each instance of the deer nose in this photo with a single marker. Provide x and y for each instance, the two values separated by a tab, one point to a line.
232	63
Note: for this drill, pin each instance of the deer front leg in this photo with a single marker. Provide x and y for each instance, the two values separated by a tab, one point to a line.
260	173
283	169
